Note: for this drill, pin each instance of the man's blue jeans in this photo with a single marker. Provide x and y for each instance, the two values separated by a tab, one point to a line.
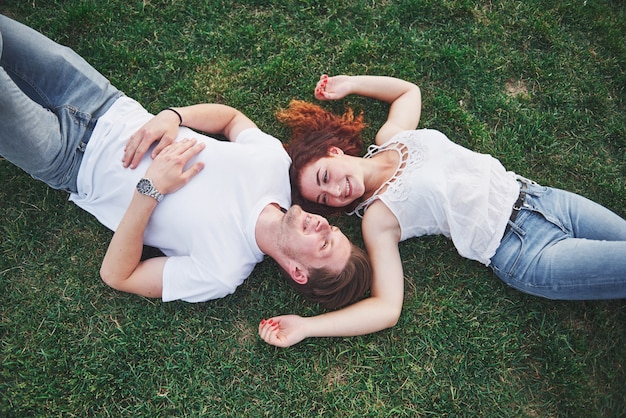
564	246
50	100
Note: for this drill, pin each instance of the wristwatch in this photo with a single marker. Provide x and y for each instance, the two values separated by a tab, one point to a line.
146	187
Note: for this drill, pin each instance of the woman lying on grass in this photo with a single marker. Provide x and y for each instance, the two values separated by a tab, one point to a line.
540	240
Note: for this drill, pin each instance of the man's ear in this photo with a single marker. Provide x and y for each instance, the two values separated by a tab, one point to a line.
332	150
297	274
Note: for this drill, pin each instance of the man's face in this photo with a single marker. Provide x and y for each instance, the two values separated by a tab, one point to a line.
311	241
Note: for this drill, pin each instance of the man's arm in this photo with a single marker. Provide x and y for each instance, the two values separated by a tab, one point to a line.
211	118
122	267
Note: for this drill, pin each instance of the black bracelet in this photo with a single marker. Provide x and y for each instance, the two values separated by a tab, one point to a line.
179	116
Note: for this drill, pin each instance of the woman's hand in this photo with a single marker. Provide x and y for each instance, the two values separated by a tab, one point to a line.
283	331
162	128
404	97
332	88
168	172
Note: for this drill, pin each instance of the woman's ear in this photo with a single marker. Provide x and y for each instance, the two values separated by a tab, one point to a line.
335	151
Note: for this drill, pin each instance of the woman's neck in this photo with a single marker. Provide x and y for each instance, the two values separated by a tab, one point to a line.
378	170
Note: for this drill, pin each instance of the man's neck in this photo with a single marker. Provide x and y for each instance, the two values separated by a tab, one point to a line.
267	225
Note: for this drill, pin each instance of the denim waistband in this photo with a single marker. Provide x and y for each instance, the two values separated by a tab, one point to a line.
91	124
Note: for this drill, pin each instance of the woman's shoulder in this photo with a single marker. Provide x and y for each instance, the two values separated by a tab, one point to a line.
415	134
379	218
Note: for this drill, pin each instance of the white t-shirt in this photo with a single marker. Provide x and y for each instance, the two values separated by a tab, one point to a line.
443	188
207	227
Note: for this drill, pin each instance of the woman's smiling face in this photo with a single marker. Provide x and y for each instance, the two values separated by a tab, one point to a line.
331	181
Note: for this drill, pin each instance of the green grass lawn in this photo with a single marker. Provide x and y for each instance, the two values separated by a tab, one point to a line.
540	84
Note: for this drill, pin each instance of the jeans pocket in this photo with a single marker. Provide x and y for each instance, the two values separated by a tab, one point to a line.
508	254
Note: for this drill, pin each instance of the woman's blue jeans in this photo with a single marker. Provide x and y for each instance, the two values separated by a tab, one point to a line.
564	246
50	100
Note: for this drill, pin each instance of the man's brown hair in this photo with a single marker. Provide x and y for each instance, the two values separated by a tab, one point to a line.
336	290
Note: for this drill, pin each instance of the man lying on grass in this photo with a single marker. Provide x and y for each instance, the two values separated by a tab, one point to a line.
65	124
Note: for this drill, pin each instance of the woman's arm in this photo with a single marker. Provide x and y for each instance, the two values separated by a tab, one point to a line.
380	311
121	267
404	97
211	118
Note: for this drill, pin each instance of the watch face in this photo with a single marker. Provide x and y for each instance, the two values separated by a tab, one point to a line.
144	186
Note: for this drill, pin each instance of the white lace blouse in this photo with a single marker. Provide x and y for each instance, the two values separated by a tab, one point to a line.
443	188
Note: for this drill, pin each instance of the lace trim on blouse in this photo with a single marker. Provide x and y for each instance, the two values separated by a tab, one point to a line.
412	155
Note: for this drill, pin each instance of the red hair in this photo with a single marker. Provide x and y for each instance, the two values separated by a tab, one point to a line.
313	131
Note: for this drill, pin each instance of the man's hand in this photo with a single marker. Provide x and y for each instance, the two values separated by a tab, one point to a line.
162	128
168	172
